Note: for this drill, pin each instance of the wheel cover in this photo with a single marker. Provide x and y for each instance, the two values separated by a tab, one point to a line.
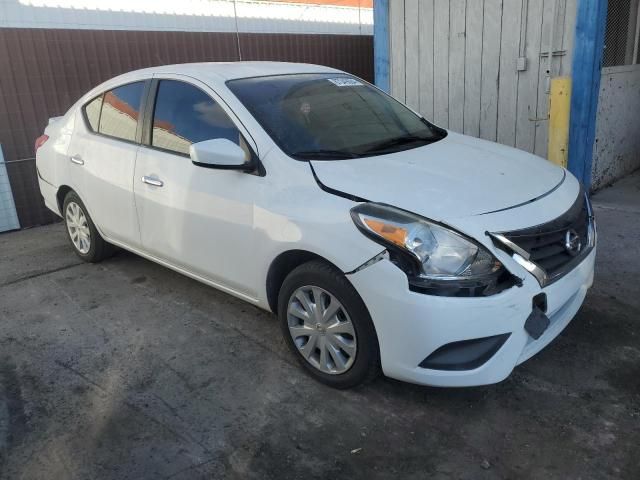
321	330
78	228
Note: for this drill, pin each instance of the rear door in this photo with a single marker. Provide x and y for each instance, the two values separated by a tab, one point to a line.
196	218
103	154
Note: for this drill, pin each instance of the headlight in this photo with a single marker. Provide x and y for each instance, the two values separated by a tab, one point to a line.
433	256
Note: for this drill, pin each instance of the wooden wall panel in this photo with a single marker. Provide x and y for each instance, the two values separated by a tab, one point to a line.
508	79
467	61
542	123
397	49
473	67
457	45
527	107
412	55
441	63
490	69
425	57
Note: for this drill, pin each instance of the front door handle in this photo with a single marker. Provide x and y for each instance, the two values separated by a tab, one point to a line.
152	181
77	159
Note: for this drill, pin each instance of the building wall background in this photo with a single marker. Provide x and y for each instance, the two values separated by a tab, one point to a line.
53	51
616	151
8	216
481	67
249	16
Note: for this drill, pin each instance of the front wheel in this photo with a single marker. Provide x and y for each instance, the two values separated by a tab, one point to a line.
81	231
327	326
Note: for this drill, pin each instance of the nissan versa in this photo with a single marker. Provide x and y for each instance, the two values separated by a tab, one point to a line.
380	240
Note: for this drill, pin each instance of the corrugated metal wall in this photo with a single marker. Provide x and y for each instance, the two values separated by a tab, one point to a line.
44	71
461	63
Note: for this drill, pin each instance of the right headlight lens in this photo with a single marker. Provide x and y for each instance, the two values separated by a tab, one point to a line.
431	254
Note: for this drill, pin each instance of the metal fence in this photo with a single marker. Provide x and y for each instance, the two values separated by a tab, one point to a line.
622	33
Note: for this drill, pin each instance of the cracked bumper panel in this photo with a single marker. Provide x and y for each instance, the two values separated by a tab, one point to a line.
48	193
411	326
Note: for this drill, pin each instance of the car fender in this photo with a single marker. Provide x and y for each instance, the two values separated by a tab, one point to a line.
302	216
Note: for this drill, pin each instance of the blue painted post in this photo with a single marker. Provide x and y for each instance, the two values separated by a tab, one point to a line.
381	43
587	61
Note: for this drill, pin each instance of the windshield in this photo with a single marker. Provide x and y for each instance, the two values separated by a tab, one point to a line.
331	116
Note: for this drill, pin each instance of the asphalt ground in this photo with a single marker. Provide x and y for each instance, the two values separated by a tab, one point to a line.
126	369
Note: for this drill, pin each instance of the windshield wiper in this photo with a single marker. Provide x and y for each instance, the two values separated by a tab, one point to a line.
324	154
396	142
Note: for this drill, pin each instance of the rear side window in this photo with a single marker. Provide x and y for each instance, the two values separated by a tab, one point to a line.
92	112
184	114
120	111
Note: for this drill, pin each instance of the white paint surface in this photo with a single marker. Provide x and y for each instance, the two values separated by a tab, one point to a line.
225	228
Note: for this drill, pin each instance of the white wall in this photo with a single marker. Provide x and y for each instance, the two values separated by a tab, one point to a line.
616	150
187	15
455	61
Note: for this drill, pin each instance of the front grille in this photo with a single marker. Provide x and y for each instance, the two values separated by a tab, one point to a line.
546	244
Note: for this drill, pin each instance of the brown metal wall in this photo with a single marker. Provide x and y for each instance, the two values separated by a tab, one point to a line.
44	71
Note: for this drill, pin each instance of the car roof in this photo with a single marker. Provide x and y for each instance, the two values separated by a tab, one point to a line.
223	71
211	73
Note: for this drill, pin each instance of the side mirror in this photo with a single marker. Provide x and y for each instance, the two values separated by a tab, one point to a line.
219	153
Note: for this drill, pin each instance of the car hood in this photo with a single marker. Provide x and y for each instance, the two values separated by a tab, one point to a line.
457	176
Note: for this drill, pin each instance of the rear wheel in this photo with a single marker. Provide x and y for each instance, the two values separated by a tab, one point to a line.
82	233
327	326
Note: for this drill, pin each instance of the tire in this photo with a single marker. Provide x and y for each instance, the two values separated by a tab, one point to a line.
357	360
94	249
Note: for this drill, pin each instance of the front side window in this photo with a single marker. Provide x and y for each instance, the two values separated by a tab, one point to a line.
120	111
92	112
184	114
331	116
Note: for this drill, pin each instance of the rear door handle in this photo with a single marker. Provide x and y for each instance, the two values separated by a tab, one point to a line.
77	159
152	181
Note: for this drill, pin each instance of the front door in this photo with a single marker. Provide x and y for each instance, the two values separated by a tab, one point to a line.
195	218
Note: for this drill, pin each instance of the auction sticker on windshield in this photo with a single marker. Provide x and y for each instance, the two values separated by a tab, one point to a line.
345	82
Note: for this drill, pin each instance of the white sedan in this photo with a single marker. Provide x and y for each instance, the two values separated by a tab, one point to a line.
380	240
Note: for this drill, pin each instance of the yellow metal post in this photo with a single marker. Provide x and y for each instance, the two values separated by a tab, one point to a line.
559	110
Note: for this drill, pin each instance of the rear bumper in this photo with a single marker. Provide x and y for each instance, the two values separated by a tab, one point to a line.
49	195
411	326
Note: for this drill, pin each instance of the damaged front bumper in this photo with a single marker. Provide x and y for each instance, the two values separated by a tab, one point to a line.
471	340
